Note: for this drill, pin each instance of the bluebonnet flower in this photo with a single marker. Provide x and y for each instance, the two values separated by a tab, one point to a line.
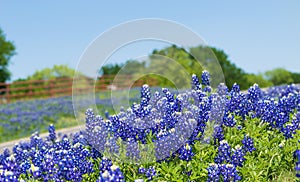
25	166
226	172
89	115
142	170
254	93
288	131
222	89
237	157
106	114
49	166
52	134
281	119
217	108
186	152
168	95
145	94
248	144
6	153
79	138
235	89
36	141
9	164
218	134
229	120
213	173
235	102
207	89
224	153
95	153
239	127
195	83
205	78
35	171
113	174
150	172
6	175
105	164
229	173
132	151
266	111
253	97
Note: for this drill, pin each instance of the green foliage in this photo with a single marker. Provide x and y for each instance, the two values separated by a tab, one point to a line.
22	86
271	161
132	66
279	76
57	71
259	79
189	64
232	73
198	59
296	77
163	69
7	50
110	69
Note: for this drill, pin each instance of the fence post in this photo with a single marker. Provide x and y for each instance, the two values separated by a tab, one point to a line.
30	90
102	83
7	93
70	86
51	88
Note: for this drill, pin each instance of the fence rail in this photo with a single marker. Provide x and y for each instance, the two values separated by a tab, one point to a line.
33	89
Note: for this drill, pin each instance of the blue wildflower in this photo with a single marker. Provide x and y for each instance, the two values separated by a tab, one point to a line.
248	144
224	153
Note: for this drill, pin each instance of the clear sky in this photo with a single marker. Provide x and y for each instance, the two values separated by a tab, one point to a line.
257	35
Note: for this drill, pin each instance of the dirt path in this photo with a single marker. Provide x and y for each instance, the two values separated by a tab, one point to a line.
67	131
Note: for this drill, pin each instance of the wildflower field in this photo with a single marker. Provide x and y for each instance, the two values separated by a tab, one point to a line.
200	134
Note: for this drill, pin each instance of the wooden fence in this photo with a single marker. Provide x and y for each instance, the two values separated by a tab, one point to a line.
23	90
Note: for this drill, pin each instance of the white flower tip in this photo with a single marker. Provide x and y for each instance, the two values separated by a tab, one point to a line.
114	167
105	174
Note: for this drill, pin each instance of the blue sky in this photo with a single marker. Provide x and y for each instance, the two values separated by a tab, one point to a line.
257	36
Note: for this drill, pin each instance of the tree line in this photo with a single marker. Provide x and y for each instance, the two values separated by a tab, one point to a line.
232	73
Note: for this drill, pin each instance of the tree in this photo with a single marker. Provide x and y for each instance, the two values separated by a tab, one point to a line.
7	50
208	56
279	76
258	79
110	69
232	73
160	62
296	77
130	67
57	71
